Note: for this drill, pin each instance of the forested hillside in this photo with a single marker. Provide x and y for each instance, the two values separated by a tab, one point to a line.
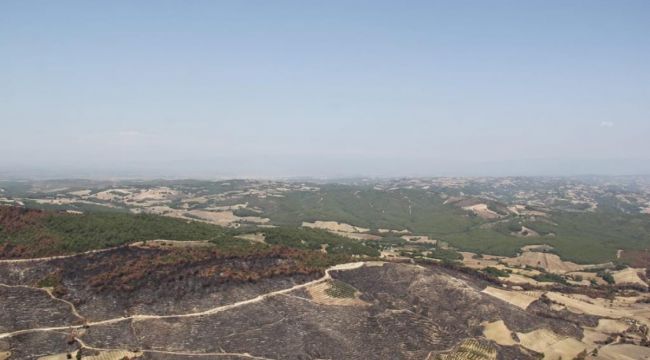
35	233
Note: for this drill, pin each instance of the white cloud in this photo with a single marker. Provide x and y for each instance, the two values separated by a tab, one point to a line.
607	124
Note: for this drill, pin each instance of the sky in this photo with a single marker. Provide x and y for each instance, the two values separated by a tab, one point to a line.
324	88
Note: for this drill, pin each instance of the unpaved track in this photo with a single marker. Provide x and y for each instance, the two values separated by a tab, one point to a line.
215	310
16	261
192	354
72	307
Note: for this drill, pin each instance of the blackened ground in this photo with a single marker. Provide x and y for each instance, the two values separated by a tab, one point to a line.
130	280
411	312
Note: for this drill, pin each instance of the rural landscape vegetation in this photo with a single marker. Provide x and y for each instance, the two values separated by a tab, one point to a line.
551	268
325	180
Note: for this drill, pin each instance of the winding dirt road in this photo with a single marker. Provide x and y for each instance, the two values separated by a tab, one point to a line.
17	261
218	309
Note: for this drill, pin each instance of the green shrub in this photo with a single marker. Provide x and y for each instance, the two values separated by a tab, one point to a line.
607	276
314	239
548	277
495	272
339	289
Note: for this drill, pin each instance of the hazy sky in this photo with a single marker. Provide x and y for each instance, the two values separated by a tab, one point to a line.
267	88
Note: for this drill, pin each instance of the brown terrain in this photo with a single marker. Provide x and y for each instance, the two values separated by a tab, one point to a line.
181	302
273	317
422	298
13	219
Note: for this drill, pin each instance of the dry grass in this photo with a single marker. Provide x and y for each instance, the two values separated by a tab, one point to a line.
471	262
582	304
591	276
595	337
356	236
629	276
521	210
553	346
549	262
223	218
610	326
519	299
342	229
623	352
520	280
389	231
498	332
112	194
160	193
482	211
335	226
